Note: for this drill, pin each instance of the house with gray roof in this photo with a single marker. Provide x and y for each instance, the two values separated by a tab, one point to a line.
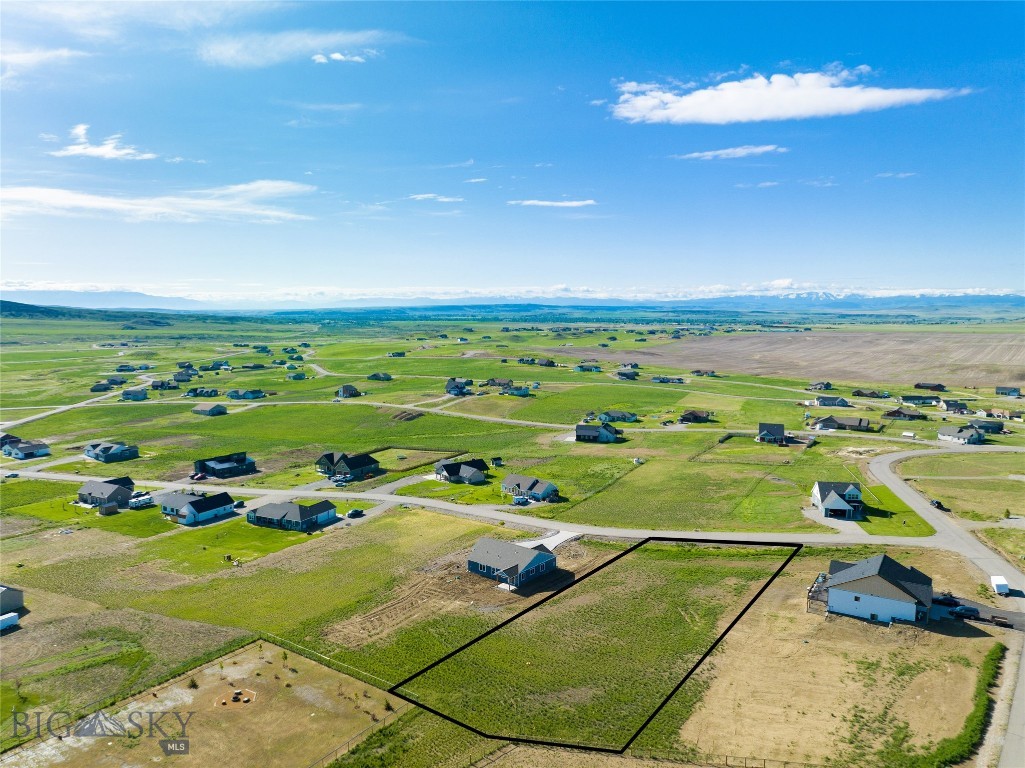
291	516
140	392
614	415
830	401
110	452
471	471
190	509
961	435
26	449
1008	391
952	406
337	463
100	493
596	433
771	433
989	427
918	399
837	499
509	563
210	409
533	488
905	414
879	589
855	423
229	465
379	376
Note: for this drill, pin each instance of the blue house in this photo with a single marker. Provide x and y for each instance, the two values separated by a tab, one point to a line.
515	391
510	563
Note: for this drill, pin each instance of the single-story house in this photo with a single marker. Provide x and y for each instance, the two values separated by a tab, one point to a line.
582	368
546	362
184	364
396	354
1009	391
12	599
820	385
182	377
510	563
125	368
210	409
855	423
26	449
771	433
187	509
1006	413
952	406
837	499
163	384
522	391
532	487
100	493
989	427
7	437
298	376
202	392
526	361
135	393
248	394
866	393
627	374
694	417
292	516
918	399
930	386
117	381
471	471
380	376
699	372
904	414
229	465
348	390
614	415
498	382
879	589
961	435
458	386
108	452
337	463
596	433
100	386
831	401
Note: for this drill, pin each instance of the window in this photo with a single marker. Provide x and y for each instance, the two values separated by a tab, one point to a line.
857	598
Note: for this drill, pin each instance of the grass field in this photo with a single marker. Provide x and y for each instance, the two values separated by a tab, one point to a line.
977	499
964	465
596	661
886	515
1009	541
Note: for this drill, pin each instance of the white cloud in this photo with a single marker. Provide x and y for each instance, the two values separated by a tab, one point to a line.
474	181
15	63
347	57
894	175
747	150
597	102
350	106
246	202
824	182
257	49
759	185
436	198
552	203
778	97
50	137
110	149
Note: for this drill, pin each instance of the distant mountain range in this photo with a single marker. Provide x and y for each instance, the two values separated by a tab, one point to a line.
811	301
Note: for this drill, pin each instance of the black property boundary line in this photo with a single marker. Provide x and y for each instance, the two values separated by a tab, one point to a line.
394	690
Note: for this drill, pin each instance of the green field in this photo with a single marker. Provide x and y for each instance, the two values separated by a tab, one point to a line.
977	499
1010	541
964	465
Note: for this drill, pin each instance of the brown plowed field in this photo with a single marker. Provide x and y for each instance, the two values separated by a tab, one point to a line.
975	359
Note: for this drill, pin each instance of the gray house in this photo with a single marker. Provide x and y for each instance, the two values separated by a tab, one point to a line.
187	509
533	488
510	563
961	435
294	517
879	589
596	433
140	392
837	499
607	416
380	376
109	452
1009	391
348	390
855	423
26	449
210	409
100	493
358	464
771	433
989	427
831	401
471	471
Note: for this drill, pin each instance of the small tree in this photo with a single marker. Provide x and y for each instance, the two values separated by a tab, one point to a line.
192	683
284	655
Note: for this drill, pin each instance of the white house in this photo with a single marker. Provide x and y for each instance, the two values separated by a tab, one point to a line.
840	499
961	435
879	589
187	509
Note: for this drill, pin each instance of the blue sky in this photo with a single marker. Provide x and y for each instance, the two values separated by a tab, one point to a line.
322	151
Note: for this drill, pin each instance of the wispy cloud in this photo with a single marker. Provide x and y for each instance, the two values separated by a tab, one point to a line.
474	181
15	63
110	149
896	175
832	92
758	185
347	106
246	202
747	150
257	49
436	198
552	203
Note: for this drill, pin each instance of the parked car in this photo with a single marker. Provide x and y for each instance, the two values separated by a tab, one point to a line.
11	474
355	513
965	612
938	504
341	484
945	599
1001	621
198	476
520	501
239	504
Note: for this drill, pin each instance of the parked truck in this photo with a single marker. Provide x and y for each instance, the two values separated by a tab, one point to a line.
1000	585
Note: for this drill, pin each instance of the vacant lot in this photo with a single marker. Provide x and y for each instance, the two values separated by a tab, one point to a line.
892	357
860	684
1009	541
590	665
977	499
964	465
298	712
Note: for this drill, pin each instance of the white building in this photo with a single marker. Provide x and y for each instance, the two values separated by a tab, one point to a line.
879	589
187	509
842	500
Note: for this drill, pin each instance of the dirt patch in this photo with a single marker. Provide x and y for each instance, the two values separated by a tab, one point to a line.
444	587
796	685
966	358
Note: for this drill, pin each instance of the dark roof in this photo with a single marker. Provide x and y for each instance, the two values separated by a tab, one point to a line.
206	503
292	511
451	468
125	482
506	556
839	488
910	581
620	415
524	482
100	488
776	430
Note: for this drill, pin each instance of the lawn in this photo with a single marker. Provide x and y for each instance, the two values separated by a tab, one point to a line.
886	515
1010	541
964	465
977	499
570	406
485	493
